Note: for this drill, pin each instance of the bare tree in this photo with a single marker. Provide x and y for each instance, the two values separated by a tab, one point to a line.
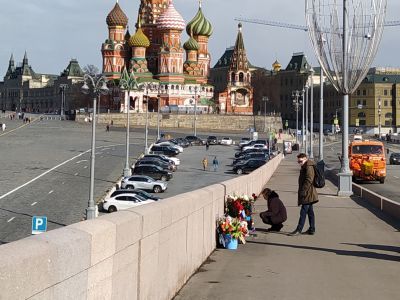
92	70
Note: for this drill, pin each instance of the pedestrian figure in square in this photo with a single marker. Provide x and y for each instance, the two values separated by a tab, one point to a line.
107	127
3	127
307	194
207	145
215	164
205	163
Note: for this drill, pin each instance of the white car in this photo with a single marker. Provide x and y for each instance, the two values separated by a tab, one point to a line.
179	148
144	183
124	201
357	137
175	160
226	141
255	146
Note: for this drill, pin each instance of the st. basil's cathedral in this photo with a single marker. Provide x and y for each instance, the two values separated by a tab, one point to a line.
169	74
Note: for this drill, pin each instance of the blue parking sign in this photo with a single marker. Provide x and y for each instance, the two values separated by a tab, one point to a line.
39	224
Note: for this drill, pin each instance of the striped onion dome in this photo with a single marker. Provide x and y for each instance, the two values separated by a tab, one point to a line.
139	39
117	17
170	19
191	45
199	25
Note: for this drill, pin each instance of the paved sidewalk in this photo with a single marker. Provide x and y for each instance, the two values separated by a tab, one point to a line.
353	255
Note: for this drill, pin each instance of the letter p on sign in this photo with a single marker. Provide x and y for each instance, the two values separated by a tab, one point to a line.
39	224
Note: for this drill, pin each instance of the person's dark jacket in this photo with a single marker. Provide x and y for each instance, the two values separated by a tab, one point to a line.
276	209
307	193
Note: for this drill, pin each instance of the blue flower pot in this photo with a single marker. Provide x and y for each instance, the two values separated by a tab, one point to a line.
230	243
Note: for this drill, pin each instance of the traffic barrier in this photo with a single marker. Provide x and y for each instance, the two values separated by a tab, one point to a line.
148	252
387	206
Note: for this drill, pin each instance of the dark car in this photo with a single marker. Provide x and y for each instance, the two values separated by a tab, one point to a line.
156	162
256	155
160	157
248	166
212	140
180	142
166	150
152	171
394	159
142	193
240	153
194	140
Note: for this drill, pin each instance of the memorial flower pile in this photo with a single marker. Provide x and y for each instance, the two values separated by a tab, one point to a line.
234	227
240	206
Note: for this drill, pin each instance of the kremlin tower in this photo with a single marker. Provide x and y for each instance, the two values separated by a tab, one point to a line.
166	70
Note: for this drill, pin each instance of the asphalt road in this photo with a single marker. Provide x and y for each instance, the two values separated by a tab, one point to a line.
45	170
390	189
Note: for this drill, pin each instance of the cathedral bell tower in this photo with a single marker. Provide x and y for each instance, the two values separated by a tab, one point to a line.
114	50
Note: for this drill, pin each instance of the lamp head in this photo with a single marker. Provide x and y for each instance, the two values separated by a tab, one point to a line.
104	88
85	88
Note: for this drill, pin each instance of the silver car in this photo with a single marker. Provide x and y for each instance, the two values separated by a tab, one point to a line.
144	183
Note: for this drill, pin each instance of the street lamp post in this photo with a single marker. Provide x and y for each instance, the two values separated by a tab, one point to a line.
158	112
195	110
302	122
146	136
127	83
97	87
312	115
379	117
265	100
306	123
321	116
63	87
296	104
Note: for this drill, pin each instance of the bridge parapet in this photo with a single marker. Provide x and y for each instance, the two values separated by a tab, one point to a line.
148	252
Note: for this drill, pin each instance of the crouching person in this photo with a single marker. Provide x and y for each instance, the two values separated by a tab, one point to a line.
276	213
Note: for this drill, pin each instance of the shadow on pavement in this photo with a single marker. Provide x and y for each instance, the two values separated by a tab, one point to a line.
363	254
376	247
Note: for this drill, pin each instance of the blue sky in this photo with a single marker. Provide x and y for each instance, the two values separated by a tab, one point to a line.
54	31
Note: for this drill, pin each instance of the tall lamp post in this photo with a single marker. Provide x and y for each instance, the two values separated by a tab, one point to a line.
321	116
127	83
312	114
379	117
297	103
148	86
158	112
306	122
265	100
63	87
303	131
95	85
195	111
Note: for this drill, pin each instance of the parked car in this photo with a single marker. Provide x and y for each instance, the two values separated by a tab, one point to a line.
240	153
165	158
255	146
153	171
166	150
394	159
170	144
226	141
194	140
264	142
181	142
139	192
257	155
156	162
212	140
248	166
144	183
124	201
243	141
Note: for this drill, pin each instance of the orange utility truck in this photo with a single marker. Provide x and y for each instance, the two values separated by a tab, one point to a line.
367	161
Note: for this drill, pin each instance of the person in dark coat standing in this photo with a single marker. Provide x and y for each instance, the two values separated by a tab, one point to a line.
307	194
276	213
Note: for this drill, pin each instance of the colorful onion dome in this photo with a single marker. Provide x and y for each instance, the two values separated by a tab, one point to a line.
191	45
199	25
117	17
170	19
139	39
276	65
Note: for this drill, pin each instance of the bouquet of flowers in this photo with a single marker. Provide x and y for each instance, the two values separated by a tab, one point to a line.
232	226
240	206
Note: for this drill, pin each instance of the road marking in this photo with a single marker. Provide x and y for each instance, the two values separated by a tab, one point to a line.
397	177
34	203
85	167
11	220
51	192
76	174
63	182
52	169
83	160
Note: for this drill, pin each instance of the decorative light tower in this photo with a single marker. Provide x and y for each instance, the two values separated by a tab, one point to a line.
351	32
